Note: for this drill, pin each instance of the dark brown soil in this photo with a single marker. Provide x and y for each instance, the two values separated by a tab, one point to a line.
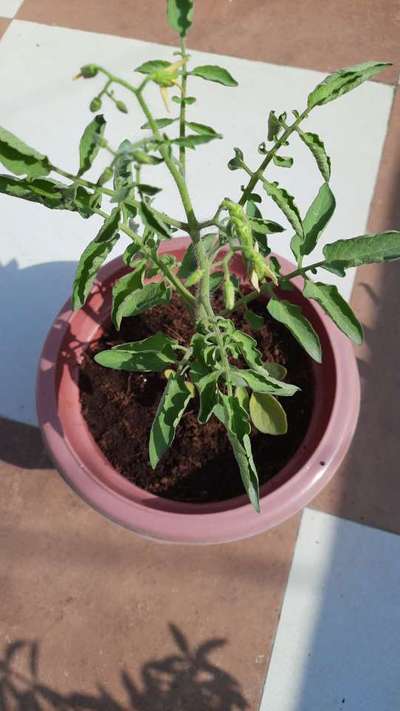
119	408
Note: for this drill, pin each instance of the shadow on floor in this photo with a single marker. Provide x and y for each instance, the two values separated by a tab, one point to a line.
185	680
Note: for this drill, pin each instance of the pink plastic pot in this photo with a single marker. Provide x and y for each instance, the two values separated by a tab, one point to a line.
82	464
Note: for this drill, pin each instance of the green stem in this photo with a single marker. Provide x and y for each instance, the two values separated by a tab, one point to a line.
172	278
182	113
259	173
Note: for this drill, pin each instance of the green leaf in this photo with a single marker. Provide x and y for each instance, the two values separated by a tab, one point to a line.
317	148
130	253
366	249
189	264
144	158
342	81
276	370
267	414
201	129
248	348
265	227
148	189
243	397
153	221
141	299
206	384
336	307
212	72
187	101
216	278
173	404
152	354
180	15
122	292
286	203
89	145
93	257
44	191
273	126
291	317
21	159
236	420
160	122
318	215
153	65
255	321
260	381
195	139
339	267
282	162
236	162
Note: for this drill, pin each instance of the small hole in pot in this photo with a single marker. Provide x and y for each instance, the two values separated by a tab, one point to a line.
322	464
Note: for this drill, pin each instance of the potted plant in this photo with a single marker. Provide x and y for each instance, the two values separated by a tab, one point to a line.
194	366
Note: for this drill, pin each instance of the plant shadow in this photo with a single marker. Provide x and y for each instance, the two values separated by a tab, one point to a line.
184	680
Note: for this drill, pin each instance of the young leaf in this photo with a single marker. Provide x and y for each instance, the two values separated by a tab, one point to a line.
273	126
291	317
122	292
366	249
148	189
336	307
21	159
260	381
286	203
187	101
255	321
153	221
276	370
236	420
153	65
267	414
93	257
317	148
248	348
189	264
44	191
195	139
201	128
157	343
344	80
173	404
318	215
130	253
206	384
265	227
236	162
180	15
282	162
160	122
89	145
131	303
215	73
146	158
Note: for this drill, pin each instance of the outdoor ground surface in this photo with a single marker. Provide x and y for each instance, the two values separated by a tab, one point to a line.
305	617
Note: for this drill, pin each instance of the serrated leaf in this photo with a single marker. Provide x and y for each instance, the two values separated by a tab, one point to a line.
286	203
342	81
44	191
317	148
283	162
237	422
20	158
89	145
130	253
142	299
236	162
93	257
201	128
267	414
336	307
122	292
366	249
160	122
212	72
206	384
156	343
153	65
248	348
273	126
180	15
338	267
318	215
173	404
260	381
153	222
292	317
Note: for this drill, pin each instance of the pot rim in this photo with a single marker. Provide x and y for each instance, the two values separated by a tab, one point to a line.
65	432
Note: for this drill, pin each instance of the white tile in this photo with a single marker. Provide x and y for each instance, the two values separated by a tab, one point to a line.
49	110
338	640
9	8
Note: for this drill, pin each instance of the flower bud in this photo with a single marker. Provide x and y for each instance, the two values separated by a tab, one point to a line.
121	107
95	104
89	71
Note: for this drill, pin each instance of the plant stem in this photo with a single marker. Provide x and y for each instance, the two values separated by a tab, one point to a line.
182	113
279	143
172	278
